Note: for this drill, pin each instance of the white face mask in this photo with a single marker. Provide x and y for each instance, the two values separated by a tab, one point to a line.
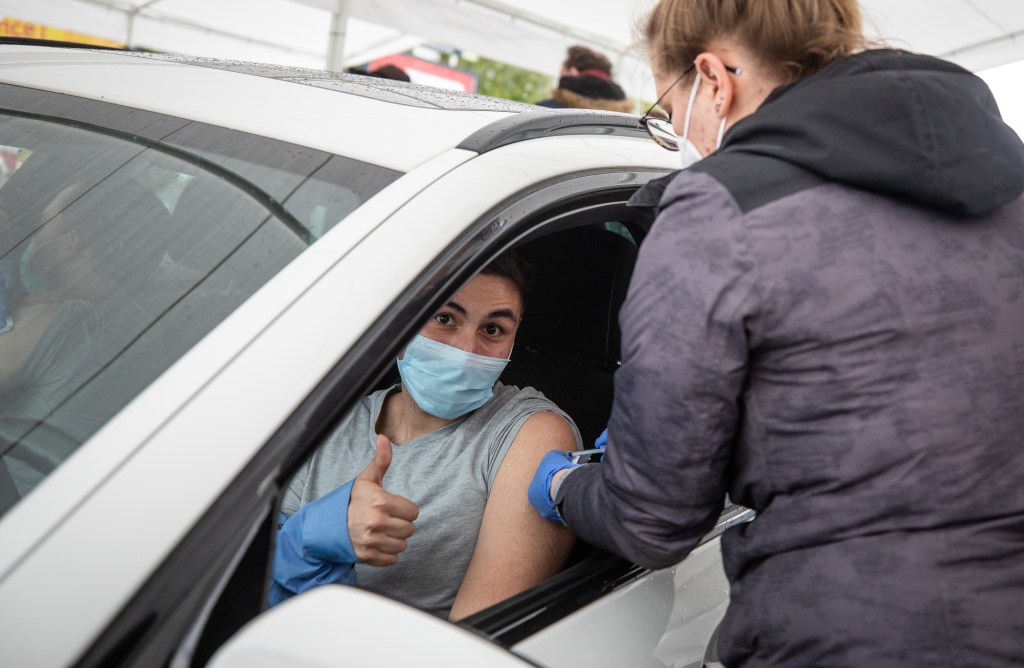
687	149
688	153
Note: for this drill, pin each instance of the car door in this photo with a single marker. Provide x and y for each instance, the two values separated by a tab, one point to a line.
177	536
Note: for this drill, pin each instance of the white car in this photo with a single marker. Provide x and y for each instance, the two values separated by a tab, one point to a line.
204	264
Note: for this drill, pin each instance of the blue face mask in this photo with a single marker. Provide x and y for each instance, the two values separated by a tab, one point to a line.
445	381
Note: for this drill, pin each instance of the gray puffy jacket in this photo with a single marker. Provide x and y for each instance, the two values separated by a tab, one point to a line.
827	323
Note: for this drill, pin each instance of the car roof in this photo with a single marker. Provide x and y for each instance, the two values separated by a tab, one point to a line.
395	124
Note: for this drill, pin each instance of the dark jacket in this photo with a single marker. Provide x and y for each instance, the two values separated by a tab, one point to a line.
826	322
588	92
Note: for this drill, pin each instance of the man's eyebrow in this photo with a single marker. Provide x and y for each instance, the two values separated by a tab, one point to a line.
498	313
456	307
504	313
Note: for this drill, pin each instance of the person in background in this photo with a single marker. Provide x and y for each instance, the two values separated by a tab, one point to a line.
826	324
447	451
585	82
393	72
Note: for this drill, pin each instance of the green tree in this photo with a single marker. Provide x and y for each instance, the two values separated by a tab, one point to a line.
506	81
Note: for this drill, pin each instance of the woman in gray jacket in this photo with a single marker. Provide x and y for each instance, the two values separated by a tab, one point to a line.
826	323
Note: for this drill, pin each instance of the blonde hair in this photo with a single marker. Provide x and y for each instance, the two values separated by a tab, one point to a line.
789	39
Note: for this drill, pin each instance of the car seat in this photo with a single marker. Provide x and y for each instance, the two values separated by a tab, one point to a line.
568	344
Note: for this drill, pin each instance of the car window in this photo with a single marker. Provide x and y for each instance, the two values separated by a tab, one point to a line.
117	255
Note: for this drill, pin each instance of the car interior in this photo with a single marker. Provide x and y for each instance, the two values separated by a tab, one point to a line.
568	344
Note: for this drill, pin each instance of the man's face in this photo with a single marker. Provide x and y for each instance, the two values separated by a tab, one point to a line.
481	318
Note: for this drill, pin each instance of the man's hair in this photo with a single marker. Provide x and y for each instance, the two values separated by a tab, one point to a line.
583	58
513	267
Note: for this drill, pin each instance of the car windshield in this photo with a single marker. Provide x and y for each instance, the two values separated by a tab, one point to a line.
118	254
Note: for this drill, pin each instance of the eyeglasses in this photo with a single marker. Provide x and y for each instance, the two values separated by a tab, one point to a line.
660	129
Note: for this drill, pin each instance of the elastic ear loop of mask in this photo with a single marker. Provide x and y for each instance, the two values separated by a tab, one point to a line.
689	113
689	107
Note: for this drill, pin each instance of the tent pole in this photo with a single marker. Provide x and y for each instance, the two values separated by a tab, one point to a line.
130	28
336	45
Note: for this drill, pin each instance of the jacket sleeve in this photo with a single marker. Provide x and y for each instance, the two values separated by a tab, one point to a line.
677	394
313	547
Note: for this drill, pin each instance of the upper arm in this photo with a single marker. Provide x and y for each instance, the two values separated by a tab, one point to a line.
516	547
685	356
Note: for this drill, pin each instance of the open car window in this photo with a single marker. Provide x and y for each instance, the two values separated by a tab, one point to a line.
567	347
117	255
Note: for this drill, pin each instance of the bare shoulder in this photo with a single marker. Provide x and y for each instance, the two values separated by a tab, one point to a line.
516	547
543	431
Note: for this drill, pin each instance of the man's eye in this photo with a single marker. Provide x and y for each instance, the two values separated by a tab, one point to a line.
493	330
443	319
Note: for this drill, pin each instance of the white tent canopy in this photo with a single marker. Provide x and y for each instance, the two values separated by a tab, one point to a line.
532	34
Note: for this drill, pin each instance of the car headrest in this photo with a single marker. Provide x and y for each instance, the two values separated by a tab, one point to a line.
580	278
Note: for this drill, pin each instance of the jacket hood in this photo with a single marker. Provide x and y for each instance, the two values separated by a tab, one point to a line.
568	98
895	123
589	92
589	85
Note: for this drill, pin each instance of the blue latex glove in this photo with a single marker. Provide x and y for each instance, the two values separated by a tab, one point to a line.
539	491
313	548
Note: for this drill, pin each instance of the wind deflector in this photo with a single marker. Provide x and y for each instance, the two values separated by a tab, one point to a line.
534	124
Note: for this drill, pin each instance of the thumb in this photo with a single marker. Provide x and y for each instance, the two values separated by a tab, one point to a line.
379	464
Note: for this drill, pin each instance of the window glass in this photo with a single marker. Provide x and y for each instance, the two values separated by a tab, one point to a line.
117	256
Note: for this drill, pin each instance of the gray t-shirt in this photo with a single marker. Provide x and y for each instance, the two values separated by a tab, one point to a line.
447	473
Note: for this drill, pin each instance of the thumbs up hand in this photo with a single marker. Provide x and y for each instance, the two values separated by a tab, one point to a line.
379	523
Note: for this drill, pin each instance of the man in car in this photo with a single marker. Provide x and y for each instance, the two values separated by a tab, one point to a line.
447	452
